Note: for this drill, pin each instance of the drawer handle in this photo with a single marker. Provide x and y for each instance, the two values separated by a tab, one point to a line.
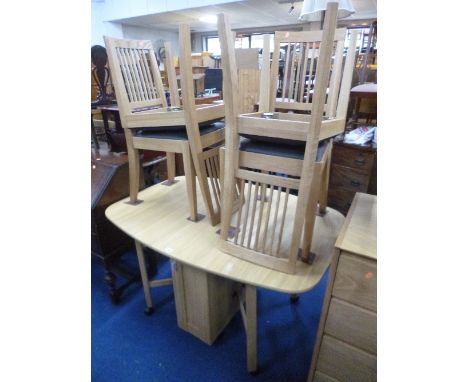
355	183
360	162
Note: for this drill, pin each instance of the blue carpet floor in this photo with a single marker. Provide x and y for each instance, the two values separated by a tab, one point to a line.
129	346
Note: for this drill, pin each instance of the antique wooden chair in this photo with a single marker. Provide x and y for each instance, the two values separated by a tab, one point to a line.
150	125
258	184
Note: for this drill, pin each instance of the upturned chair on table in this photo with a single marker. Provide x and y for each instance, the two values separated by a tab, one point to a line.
294	92
150	125
260	173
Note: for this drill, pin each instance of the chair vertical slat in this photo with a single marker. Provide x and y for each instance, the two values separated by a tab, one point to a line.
218	174
335	80
171	75
260	214
157	78
138	75
147	75
285	71
299	68
264	96
126	75
346	81
252	216
305	61
241	208
244	223
131	75
267	220
283	218
270	247
149	86
212	182
215	179
311	71
292	73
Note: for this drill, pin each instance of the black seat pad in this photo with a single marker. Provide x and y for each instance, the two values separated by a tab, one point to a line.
280	149
178	132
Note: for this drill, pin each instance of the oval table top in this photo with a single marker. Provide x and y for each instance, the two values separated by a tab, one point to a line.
160	223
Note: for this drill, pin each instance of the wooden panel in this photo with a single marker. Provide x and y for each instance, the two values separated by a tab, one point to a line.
223	302
345	362
352	324
191	297
359	159
249	89
349	179
205	303
320	377
359	233
356	281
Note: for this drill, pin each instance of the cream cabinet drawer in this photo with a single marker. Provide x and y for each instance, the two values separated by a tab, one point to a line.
352	324
346	363
356	281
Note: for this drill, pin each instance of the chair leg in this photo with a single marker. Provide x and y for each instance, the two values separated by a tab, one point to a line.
134	174
324	180
205	188
190	183
171	168
310	219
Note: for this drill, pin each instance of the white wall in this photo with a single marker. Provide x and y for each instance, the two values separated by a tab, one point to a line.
120	9
101	27
157	37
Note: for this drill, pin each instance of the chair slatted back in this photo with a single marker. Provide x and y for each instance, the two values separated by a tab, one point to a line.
268	225
294	88
136	75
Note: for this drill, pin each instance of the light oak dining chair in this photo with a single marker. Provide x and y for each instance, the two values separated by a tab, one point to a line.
293	92
204	141
257	182
148	122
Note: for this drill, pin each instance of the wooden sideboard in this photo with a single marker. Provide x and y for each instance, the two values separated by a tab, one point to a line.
353	169
346	344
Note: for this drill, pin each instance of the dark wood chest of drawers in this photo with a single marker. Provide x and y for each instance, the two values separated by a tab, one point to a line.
353	169
109	184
